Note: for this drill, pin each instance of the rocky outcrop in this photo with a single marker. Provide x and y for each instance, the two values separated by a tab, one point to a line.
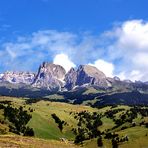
85	75
70	79
17	77
50	76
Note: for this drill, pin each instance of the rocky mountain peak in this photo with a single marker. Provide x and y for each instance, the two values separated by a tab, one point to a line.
116	78
85	75
91	71
50	76
56	71
72	70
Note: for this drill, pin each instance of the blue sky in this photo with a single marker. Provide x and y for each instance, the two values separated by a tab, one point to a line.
110	34
26	16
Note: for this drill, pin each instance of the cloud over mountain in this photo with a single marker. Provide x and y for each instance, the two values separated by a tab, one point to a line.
122	50
106	67
63	60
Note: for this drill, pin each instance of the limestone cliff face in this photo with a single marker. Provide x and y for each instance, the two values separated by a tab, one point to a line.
53	77
70	79
18	77
50	76
85	75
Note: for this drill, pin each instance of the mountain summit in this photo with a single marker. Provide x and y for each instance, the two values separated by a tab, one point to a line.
50	76
85	75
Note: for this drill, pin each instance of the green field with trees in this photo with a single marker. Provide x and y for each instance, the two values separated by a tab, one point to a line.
73	125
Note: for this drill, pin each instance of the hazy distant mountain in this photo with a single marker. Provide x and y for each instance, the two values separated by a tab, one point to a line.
17	77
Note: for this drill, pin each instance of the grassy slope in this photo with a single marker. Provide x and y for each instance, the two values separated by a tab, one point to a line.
42	122
137	137
28	142
45	127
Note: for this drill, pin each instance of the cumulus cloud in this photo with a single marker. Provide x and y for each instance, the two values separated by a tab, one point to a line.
28	52
133	75
130	49
121	51
44	46
64	61
104	66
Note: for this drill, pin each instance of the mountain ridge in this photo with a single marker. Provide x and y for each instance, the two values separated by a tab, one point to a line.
53	77
83	85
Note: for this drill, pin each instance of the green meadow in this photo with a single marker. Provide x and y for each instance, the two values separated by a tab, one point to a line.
47	132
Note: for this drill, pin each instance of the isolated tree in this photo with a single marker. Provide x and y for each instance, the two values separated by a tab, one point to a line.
114	143
99	142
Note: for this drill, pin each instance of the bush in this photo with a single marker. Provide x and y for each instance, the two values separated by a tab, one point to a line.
29	132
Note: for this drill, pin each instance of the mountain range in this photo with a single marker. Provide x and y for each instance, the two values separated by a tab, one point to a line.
53	77
82	84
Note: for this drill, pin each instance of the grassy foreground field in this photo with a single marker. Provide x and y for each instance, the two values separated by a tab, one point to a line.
15	141
48	134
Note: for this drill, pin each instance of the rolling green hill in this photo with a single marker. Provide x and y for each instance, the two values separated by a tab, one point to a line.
128	125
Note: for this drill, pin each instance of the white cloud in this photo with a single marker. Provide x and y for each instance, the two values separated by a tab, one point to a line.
130	49
136	75
125	47
134	34
104	66
27	52
64	61
122	75
133	75
11	52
